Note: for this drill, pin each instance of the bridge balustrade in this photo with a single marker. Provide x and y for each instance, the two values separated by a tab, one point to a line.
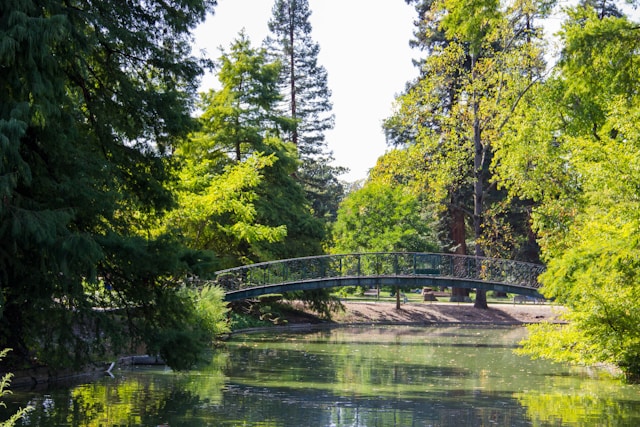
380	264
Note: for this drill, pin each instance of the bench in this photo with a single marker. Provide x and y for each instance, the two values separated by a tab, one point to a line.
523	299
429	271
371	293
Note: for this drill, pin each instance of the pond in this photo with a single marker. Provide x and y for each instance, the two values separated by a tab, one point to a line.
364	376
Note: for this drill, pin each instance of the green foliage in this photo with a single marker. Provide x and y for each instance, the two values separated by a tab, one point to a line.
597	280
238	194
185	324
323	189
94	97
347	291
382	217
282	201
303	82
245	321
217	211
579	165
212	310
484	57
239	118
4	390
469	21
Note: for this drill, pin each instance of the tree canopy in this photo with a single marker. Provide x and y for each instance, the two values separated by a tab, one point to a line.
482	57
113	196
549	152
95	95
574	149
382	217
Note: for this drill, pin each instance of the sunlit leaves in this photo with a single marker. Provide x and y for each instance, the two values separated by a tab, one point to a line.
240	115
217	210
238	192
5	381
488	58
212	310
469	21
575	148
382	217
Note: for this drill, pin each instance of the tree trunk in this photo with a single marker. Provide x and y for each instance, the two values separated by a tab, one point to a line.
478	196
397	298
459	237
293	84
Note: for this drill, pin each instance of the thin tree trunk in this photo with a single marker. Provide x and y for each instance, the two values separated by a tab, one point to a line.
478	195
292	77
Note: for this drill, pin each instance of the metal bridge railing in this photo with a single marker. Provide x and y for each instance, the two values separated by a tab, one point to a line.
381	264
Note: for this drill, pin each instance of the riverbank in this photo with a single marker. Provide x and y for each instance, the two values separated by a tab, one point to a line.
361	312
441	312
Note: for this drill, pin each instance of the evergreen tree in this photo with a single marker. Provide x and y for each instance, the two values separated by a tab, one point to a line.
94	95
241	116
260	210
306	100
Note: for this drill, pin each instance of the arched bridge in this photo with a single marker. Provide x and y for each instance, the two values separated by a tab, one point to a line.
407	269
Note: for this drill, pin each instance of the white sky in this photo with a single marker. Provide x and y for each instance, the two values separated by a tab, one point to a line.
364	45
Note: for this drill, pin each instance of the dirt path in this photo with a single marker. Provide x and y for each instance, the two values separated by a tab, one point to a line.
383	312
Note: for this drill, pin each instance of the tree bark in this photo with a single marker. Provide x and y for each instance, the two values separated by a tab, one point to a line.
459	237
478	198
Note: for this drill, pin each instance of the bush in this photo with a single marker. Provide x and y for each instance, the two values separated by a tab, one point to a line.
212	311
186	324
245	321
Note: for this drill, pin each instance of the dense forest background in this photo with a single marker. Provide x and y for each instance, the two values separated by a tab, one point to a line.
120	185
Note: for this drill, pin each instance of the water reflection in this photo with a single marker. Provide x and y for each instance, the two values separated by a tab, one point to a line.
372	376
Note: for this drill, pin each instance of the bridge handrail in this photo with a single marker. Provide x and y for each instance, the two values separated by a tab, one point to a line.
380	264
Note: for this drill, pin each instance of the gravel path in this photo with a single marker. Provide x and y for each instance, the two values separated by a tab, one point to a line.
385	312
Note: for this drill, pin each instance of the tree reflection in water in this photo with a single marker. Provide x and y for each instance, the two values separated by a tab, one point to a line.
372	376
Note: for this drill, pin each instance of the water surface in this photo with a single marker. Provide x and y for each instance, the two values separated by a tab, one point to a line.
365	376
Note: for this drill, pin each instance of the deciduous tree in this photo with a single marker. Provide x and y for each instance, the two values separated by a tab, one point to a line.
381	217
482	57
574	149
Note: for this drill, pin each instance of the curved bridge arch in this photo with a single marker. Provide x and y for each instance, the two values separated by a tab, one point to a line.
412	269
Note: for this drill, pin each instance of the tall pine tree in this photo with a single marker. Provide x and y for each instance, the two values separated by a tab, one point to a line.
306	99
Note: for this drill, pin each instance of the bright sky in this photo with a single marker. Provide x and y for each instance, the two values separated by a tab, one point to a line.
364	45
